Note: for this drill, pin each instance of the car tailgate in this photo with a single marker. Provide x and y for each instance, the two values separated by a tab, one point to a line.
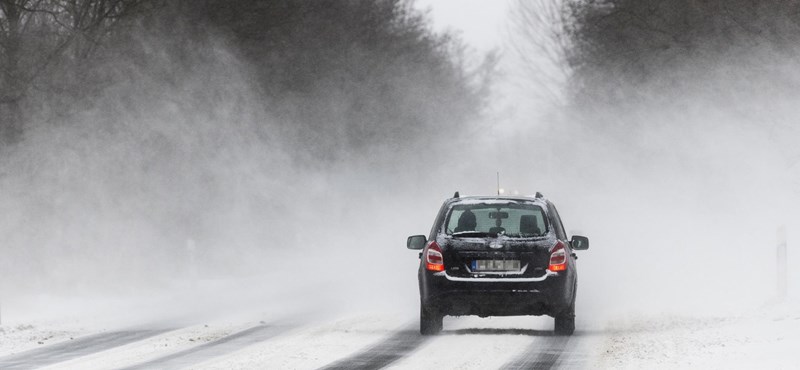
460	253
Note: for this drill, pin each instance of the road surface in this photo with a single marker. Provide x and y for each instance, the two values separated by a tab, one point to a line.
368	342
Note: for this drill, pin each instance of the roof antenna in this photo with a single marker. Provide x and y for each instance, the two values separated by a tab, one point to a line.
456	195
498	183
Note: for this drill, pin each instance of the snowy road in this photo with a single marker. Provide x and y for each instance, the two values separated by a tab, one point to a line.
383	353
384	340
367	342
541	355
74	348
219	347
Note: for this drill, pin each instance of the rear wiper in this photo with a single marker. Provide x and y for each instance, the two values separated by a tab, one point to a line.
471	233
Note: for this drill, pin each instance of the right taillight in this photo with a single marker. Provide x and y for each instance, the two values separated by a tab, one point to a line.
433	257
558	257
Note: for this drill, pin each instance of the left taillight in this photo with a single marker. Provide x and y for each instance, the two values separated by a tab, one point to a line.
434	261
558	257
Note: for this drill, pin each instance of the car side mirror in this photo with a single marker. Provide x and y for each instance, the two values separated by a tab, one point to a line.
579	243
416	242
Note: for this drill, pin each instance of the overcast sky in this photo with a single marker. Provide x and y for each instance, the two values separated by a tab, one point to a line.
482	23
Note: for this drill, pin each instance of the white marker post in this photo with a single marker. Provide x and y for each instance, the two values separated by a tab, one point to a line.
781	259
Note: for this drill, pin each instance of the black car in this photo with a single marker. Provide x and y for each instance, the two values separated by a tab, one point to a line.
497	256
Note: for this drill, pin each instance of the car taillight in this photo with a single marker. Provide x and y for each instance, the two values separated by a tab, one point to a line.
558	257
433	257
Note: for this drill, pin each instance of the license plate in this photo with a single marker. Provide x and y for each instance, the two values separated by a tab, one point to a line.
495	265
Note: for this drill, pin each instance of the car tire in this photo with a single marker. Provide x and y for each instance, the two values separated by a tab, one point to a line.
565	321
430	320
565	325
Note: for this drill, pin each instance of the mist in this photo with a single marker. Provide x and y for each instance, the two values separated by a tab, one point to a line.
187	188
682	179
182	190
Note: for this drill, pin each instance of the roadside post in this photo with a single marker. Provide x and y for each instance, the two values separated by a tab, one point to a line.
781	259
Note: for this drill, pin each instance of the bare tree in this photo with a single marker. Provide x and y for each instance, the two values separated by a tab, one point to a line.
541	40
36	34
13	23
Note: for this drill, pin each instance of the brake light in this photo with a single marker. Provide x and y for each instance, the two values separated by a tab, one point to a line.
433	257
558	257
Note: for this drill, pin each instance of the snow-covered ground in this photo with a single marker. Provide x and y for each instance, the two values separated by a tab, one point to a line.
768	337
21	337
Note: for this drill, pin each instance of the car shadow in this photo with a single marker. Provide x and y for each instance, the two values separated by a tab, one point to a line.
490	331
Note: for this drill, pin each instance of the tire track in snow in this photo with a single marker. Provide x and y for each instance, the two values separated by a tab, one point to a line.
385	352
72	349
214	349
541	356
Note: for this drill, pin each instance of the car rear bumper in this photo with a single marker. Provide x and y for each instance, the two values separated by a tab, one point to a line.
505	280
547	295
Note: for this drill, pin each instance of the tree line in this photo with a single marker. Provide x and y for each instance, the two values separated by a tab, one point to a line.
132	126
338	74
605	45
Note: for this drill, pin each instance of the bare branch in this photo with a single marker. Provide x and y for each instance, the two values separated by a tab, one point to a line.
543	45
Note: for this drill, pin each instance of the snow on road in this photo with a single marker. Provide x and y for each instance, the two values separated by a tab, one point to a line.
21	337
316	346
478	343
767	337
67	350
165	344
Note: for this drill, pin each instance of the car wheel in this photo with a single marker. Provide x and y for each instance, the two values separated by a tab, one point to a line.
565	325
430	320
565	321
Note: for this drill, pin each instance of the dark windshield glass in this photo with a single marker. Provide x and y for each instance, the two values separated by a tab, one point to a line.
512	219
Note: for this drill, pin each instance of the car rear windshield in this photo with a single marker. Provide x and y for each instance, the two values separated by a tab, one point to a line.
521	220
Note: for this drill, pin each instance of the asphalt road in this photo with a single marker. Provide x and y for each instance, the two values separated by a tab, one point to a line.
383	353
213	349
545	351
65	351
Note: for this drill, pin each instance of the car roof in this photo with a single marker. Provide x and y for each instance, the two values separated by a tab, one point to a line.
479	198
